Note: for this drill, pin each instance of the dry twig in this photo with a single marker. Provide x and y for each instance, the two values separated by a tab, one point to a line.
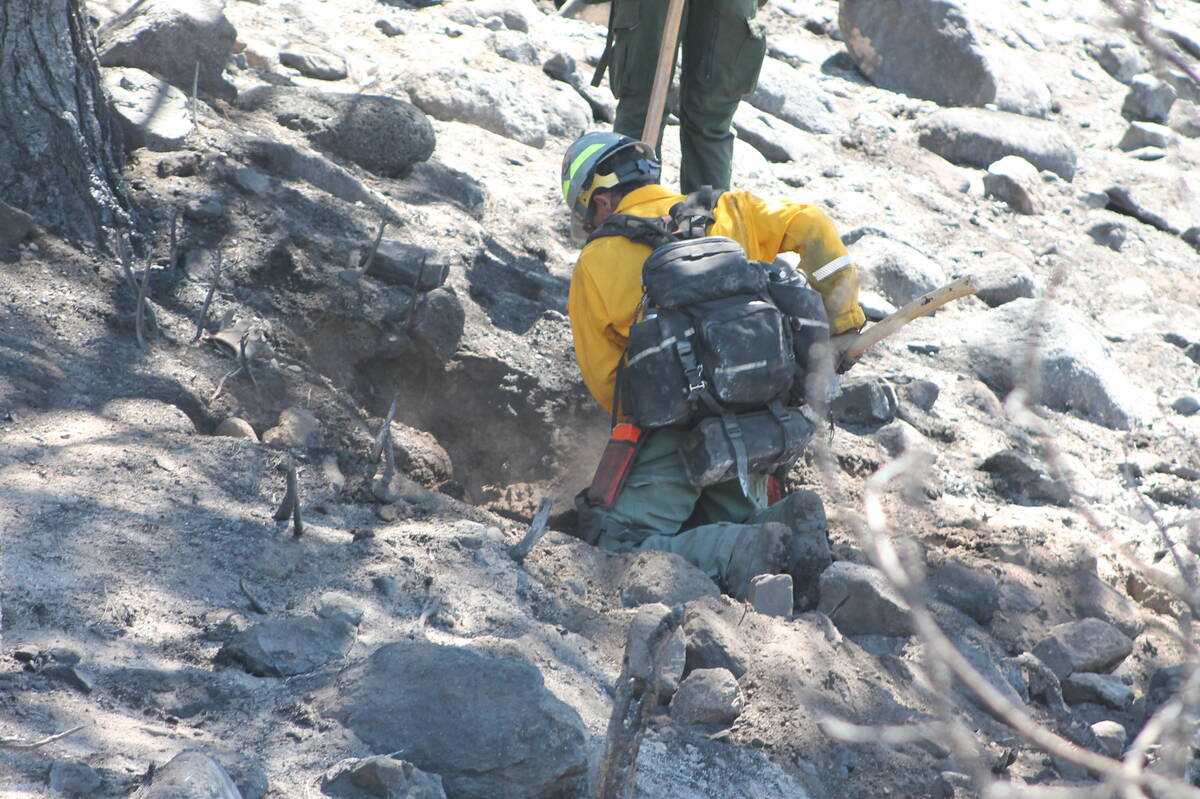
255	605
290	506
214	283
366	267
21	743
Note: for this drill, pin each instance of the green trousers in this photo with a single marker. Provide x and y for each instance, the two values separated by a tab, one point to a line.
660	509
723	50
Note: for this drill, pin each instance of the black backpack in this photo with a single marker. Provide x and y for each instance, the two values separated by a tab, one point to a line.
718	335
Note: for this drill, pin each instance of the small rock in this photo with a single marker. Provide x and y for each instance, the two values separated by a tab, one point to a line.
865	401
402	264
975	593
663	577
1146	134
251	181
77	678
712	641
191	775
1004	279
1100	689
1097	599
514	47
1109	233
236	428
1111	735
860	601
1020	478
1149	99
383	776
921	393
297	427
75	779
1120	59
640	660
771	594
1084	645
708	696
15	225
152	113
896	270
1186	406
391	27
1015	181
333	605
286	647
314	64
386	585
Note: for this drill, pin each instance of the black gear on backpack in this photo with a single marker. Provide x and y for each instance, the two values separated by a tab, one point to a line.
722	344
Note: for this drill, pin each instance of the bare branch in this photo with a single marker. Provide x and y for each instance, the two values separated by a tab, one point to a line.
139	311
212	287
20	743
255	605
366	267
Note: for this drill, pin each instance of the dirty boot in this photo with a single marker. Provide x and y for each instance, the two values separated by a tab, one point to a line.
760	549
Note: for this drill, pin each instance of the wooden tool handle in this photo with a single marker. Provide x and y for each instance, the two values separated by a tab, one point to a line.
927	303
662	74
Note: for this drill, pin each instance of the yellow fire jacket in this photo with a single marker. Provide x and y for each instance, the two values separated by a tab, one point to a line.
606	286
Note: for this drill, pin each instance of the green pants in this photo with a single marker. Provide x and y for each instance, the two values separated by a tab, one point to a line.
723	50
660	509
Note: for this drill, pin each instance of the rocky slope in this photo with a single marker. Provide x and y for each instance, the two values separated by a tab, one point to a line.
151	599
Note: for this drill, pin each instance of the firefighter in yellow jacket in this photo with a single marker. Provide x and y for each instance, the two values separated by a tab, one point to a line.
730	535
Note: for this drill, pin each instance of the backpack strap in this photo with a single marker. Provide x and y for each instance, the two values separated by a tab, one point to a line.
653	231
693	215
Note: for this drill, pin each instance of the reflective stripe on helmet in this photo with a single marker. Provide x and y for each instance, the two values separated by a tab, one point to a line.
576	164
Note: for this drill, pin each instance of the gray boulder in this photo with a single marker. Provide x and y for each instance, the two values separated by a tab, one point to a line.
1099	689
865	401
1185	119
971	591
286	647
381	134
1022	479
860	601
1095	598
1146	134
1149	99
190	775
1076	372
1015	181
152	113
708	696
1119	58
528	112
662	577
439	321
400	263
1111	735
894	269
933	49
771	594
1005	278
978	138
982	652
168	38
75	780
380	776
778	141
1084	645
784	92
487	725
1110	232
713	642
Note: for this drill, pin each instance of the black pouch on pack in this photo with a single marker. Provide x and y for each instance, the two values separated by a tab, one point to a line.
744	356
697	270
771	442
653	387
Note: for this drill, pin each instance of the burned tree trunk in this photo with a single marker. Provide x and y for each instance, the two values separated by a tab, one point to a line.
59	146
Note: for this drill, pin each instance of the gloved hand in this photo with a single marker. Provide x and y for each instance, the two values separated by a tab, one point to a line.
841	344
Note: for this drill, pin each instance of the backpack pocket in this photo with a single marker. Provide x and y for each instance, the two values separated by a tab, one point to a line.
746	352
653	385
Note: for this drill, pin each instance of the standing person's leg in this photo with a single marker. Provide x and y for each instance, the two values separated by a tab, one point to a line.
723	50
637	32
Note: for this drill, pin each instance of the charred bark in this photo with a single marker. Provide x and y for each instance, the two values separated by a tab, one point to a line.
60	148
